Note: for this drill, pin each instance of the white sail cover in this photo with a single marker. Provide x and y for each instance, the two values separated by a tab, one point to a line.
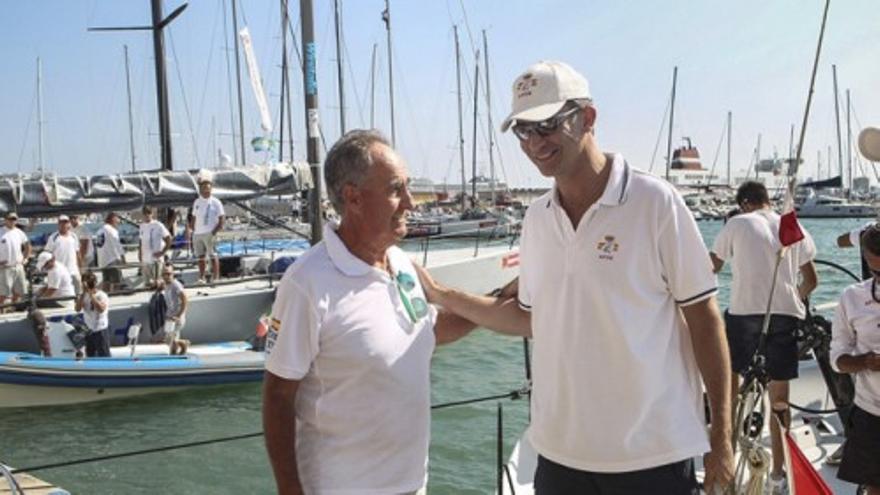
52	195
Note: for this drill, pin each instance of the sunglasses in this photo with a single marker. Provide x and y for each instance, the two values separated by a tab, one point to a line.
416	307
543	128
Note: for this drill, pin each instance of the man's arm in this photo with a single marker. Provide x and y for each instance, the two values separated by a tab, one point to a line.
221	220
279	431
809	280
184	301
849	363
717	263
451	327
26	250
844	241
710	349
502	315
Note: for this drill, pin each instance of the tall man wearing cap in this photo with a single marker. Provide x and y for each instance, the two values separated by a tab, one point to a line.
15	249
346	398
205	222
617	290
64	246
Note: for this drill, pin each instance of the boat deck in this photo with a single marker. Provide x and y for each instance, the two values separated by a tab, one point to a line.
31	485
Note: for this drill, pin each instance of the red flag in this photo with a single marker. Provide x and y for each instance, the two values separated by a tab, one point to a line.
802	477
789	229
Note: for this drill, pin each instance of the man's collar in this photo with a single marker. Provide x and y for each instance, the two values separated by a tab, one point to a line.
616	189
346	262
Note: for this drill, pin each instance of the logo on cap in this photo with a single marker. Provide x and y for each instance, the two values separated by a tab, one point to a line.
525	84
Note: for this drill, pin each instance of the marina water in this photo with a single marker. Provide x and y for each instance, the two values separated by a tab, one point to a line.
463	438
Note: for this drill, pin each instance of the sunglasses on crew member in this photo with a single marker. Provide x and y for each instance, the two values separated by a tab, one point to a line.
543	128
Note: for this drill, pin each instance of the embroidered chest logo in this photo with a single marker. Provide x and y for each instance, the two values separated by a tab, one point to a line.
607	247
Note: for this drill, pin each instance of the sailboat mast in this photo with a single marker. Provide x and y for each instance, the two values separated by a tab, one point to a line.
729	132
39	116
386	16
283	81
849	141
474	141
837	122
339	79
489	120
671	120
373	88
460	118
313	132
238	81
161	85
130	119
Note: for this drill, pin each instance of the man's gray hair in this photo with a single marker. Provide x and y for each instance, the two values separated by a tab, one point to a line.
348	162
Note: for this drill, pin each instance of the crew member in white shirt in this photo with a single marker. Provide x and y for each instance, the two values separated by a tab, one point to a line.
95	306
155	240
617	291
15	249
855	349
205	222
59	283
110	251
64	246
346	397
750	241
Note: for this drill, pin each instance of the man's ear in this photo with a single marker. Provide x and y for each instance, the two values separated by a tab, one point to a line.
589	116
351	196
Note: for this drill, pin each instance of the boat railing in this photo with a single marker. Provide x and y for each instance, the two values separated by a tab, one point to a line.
486	234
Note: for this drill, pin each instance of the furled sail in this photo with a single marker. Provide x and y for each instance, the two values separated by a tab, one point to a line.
52	195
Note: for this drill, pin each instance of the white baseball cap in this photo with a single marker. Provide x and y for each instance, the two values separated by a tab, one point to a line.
869	143
42	259
205	175
543	89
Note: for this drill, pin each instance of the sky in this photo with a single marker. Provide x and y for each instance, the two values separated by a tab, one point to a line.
750	57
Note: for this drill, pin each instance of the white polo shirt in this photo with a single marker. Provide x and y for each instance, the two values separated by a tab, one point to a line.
11	242
207	213
65	249
343	329
616	385
152	236
108	246
750	241
59	278
856	330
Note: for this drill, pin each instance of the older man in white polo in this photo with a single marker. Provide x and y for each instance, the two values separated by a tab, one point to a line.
346	399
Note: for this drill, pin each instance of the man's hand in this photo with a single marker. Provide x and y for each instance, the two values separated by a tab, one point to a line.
719	464
429	285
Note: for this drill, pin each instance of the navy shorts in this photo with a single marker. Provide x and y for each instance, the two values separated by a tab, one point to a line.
861	453
677	478
743	333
